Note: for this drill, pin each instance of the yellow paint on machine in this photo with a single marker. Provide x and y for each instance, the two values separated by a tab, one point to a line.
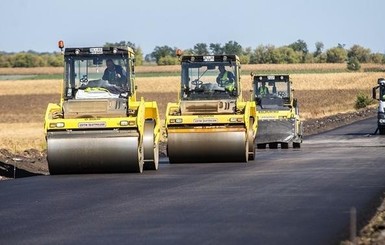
205	130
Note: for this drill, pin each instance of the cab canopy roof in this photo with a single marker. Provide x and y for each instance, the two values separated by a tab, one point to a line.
210	58
270	78
91	51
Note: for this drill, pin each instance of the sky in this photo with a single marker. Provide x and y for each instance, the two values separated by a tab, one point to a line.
39	24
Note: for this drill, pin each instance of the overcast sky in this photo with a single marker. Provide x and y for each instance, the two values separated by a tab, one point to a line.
38	24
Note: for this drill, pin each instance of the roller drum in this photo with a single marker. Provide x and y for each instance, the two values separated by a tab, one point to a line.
269	131
150	147
94	152
192	146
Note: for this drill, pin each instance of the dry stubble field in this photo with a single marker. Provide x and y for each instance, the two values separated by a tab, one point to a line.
23	102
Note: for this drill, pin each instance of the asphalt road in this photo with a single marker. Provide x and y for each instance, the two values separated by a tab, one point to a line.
293	196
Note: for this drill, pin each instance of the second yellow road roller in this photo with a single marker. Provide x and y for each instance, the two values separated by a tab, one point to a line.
210	122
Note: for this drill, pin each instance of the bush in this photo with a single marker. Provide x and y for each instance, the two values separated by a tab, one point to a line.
168	60
353	64
244	59
362	101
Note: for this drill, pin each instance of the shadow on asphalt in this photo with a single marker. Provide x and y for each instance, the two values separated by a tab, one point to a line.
10	171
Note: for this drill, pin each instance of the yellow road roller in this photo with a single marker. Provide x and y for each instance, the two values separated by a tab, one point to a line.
210	122
99	126
278	116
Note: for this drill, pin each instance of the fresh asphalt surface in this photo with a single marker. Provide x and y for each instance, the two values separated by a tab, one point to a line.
285	196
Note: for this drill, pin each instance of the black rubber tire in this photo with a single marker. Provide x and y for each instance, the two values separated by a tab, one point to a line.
273	145
261	146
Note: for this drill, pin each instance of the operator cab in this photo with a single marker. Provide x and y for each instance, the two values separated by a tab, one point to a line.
272	92
212	77
93	73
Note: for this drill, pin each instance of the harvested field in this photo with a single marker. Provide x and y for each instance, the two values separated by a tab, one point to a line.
23	102
315	67
26	108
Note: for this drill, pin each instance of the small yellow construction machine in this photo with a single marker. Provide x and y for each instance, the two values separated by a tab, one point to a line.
210	122
277	112
99	126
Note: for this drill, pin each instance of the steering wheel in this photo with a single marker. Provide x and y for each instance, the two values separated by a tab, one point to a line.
84	79
281	94
197	82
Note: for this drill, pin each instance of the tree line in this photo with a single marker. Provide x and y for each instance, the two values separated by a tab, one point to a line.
296	52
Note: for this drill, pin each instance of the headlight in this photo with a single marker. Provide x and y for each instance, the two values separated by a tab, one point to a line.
127	123
382	121
57	125
234	119
177	120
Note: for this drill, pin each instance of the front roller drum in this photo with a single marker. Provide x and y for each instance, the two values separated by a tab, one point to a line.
94	152
188	146
150	147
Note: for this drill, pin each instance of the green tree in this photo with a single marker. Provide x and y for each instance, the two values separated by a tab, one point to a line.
336	55
263	55
55	60
286	55
319	46
246	55
168	60
5	61
200	49
162	51
232	47
360	53
300	47
377	58
244	59
26	60
216	48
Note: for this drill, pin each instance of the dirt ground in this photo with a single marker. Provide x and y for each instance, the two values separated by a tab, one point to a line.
32	162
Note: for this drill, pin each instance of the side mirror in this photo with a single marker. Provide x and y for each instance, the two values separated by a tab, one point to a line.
295	103
374	93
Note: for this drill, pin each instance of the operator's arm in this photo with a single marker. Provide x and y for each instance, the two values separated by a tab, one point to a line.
122	73
231	77
105	76
219	78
